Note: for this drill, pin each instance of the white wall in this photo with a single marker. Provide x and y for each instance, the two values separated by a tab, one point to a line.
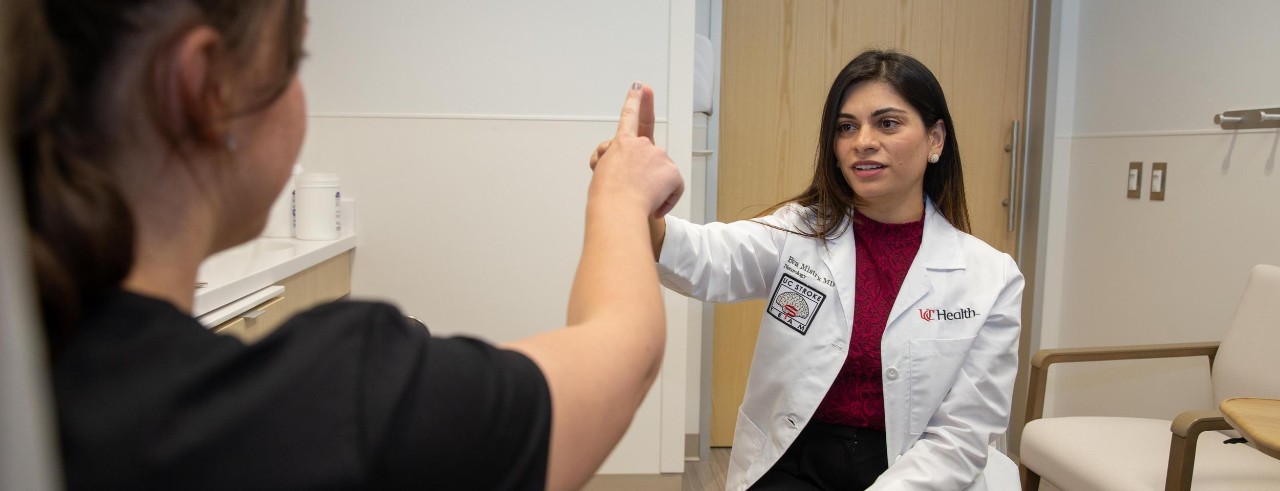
462	129
1143	80
551	59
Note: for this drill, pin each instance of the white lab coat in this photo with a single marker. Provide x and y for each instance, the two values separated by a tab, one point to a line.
949	350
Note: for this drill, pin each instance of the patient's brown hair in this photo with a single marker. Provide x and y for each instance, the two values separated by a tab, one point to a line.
67	60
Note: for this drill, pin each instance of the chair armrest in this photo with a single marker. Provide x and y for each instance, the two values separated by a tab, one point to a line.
1191	424
1044	358
1186	429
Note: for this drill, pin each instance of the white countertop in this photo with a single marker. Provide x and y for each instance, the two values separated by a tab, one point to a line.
257	264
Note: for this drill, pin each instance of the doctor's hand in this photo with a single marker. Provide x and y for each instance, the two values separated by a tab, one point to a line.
630	165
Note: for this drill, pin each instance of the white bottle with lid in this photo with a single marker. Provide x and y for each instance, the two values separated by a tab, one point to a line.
318	199
280	218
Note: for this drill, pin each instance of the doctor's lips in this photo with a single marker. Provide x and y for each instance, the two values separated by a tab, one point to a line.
868	165
867	168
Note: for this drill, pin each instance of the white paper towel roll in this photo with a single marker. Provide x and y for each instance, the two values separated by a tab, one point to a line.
704	74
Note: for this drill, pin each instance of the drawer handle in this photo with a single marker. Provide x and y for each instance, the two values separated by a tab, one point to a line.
256	312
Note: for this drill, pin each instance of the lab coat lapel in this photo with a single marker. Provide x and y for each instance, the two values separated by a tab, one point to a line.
939	252
840	260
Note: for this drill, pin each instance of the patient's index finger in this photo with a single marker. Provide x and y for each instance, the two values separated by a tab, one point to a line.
629	122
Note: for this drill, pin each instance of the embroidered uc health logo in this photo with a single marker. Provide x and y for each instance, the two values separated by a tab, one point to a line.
930	315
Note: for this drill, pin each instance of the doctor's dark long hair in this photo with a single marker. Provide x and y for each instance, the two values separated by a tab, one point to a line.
829	196
66	59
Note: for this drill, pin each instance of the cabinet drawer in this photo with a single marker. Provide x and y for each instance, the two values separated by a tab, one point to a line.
254	323
324	282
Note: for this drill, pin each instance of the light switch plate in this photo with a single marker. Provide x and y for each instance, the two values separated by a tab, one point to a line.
1135	180
1159	180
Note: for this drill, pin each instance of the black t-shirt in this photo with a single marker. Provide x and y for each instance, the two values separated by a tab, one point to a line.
345	396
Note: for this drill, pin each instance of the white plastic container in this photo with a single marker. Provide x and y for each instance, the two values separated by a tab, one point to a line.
319	205
280	218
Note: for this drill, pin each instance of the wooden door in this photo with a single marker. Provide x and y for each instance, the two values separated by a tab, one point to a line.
779	58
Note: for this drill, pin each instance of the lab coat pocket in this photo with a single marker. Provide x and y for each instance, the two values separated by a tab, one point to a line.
748	441
934	365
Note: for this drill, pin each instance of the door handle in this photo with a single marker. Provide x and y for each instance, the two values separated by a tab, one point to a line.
1012	148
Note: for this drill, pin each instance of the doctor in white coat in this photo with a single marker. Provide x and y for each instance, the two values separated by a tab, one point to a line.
947	354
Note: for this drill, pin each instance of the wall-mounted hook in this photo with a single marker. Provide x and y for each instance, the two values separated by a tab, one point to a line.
1248	119
1223	119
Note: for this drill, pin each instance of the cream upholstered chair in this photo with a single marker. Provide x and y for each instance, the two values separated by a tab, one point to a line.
1115	453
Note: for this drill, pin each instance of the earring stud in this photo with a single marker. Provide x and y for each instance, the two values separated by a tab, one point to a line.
231	144
933	159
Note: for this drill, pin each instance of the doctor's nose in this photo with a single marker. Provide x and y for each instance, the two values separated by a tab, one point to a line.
865	141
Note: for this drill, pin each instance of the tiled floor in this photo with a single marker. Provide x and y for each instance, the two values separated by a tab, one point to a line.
698	476
709	474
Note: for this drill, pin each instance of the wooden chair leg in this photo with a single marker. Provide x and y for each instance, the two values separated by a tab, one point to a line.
1182	461
1030	480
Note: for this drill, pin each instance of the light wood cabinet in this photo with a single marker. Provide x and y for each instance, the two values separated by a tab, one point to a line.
324	282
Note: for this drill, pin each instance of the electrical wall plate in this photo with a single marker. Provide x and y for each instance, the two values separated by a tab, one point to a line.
1135	180
1159	180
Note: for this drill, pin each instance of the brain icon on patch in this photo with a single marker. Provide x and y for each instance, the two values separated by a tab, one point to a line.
795	304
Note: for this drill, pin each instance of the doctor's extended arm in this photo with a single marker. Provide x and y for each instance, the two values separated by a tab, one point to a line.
599	369
952	451
722	262
717	262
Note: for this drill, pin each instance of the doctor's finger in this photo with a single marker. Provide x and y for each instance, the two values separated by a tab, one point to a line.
629	121
599	152
670	203
646	113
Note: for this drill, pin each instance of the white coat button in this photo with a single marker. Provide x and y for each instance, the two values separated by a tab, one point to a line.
791	420
891	373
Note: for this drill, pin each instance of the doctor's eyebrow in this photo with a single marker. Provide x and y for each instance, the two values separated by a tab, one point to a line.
876	113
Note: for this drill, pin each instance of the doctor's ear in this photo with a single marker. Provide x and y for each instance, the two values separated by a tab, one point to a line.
937	136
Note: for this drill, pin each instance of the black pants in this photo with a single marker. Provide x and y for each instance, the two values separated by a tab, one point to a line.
829	457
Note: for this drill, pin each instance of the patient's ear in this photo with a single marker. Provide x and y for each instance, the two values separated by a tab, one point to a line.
192	91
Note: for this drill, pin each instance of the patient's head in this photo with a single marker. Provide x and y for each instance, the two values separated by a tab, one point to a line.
128	113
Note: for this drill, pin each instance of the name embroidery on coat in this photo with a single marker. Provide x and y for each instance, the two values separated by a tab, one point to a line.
795	304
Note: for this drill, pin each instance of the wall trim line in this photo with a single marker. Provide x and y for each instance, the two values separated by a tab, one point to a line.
473	117
1146	134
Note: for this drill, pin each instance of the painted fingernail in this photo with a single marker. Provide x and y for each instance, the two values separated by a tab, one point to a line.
635	85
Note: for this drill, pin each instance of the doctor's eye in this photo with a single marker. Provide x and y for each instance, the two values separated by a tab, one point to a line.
889	124
846	127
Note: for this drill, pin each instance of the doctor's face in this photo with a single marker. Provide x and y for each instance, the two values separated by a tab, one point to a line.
883	147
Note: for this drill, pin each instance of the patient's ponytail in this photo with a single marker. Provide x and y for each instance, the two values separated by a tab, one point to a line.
80	229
